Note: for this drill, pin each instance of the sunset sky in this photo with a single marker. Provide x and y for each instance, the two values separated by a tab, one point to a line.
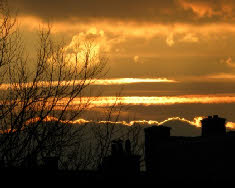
181	50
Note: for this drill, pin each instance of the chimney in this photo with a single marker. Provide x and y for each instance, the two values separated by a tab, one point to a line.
213	126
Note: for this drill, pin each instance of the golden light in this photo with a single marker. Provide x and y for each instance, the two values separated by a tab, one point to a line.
147	101
195	122
111	81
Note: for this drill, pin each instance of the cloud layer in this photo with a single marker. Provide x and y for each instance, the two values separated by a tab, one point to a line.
149	10
179	126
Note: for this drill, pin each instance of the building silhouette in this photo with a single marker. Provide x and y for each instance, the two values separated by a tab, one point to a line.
167	158
208	155
121	161
213	126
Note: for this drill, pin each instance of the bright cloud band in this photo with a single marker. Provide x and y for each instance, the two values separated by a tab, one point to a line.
100	102
195	122
147	101
120	81
114	81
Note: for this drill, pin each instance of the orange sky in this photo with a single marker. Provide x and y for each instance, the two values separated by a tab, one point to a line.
191	42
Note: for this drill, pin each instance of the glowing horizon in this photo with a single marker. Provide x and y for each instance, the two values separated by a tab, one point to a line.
195	122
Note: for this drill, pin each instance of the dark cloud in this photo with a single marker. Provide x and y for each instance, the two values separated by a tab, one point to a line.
180	128
148	10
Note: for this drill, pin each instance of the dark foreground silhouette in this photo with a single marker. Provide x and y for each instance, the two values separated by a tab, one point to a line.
208	158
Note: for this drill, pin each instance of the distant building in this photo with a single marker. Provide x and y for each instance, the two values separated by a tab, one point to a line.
212	152
121	161
213	126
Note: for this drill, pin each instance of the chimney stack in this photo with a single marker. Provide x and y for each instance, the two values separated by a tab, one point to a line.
213	126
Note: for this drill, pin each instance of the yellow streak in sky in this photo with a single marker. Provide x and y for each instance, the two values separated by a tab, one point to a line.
112	81
147	101
99	102
120	81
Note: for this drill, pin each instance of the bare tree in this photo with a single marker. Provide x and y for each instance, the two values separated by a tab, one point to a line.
105	133
37	101
34	90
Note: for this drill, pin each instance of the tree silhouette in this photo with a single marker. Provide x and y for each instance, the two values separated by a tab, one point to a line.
33	90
